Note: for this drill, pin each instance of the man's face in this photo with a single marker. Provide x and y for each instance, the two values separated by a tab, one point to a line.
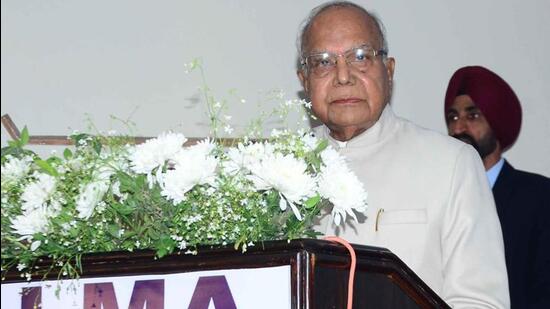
347	100
466	122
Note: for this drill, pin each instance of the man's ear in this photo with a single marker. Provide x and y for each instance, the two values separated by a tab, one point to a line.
303	81
389	63
390	67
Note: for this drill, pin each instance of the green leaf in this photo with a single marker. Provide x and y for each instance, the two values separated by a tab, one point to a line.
140	181
8	151
313	160
74	232
78	262
78	137
46	167
164	246
321	146
67	154
24	138
96	144
123	209
127	183
272	199
54	159
312	201
114	229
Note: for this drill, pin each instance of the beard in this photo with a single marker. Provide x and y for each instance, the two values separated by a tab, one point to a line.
484	146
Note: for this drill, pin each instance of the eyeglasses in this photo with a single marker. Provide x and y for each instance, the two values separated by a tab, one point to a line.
360	58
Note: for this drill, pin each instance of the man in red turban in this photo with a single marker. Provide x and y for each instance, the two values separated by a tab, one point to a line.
481	109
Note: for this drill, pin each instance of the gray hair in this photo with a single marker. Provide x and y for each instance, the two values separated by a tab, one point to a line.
306	24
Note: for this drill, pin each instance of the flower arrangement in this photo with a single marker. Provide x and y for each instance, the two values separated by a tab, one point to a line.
108	194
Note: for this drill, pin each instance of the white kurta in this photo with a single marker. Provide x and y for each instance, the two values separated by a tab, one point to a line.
438	215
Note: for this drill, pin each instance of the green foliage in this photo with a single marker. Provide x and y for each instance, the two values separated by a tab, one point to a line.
15	147
131	213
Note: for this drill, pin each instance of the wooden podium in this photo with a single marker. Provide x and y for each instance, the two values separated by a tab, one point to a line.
318	272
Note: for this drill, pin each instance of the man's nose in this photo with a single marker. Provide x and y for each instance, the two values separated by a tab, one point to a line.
343	74
459	126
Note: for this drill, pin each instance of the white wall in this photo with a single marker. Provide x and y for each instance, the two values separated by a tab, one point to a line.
63	59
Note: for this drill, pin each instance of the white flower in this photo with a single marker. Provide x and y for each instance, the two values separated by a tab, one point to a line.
116	189
288	176
228	129
120	162
35	244
344	190
103	173
155	152
182	245
202	148
36	194
74	164
246	157
193	166
89	196
14	169
31	222
331	157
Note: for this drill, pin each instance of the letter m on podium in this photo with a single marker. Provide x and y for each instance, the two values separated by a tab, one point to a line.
215	288
146	291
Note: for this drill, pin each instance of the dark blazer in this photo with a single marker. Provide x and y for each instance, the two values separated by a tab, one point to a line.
523	206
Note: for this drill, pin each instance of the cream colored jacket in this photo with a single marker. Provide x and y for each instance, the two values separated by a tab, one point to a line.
436	209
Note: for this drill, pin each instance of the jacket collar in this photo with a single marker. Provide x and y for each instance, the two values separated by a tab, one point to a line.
384	128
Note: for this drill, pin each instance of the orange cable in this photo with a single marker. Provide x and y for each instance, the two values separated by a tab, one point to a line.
346	244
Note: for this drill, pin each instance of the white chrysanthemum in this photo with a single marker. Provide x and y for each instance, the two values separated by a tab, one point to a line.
14	169
155	152
37	193
247	157
89	196
234	162
31	222
202	148
344	190
288	176
331	157
193	166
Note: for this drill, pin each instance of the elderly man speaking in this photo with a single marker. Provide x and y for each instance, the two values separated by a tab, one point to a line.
429	200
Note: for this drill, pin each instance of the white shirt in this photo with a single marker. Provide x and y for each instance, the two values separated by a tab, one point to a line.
438	213
492	173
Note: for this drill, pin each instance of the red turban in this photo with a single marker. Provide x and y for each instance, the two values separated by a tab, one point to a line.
493	96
